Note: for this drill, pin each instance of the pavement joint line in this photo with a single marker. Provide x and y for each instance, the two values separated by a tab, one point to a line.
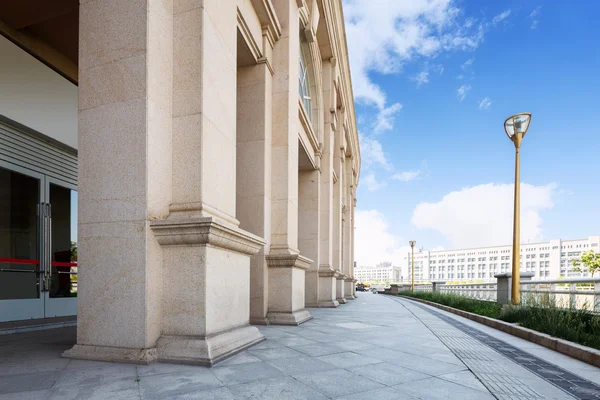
445	344
574	385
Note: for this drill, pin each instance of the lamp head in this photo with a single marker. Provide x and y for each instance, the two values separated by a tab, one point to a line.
517	125
412	243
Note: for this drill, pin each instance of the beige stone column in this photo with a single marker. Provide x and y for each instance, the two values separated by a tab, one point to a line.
309	188
286	265
206	285
347	236
338	195
353	231
327	274
253	205
125	91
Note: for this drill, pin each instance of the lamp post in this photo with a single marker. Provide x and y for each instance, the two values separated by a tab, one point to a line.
516	127
412	263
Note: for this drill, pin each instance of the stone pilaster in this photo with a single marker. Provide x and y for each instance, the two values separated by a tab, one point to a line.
253	203
309	189
125	133
327	274
284	193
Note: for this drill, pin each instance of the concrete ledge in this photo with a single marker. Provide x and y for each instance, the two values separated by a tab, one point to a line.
111	354
573	350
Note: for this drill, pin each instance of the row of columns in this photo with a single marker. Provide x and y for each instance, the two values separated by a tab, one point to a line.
197	217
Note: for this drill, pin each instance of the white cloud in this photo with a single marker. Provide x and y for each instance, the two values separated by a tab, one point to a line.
460	77
407	176
534	17
373	241
372	183
501	17
421	78
372	153
384	37
467	64
482	215
386	117
485	104
462	91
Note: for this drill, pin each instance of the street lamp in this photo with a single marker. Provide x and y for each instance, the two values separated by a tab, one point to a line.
516	127
412	246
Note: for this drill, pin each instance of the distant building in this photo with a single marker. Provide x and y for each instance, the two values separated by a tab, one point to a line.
383	272
547	260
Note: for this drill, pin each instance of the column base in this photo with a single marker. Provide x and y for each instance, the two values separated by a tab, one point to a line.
350	297
111	354
327	304
285	318
259	321
342	300
208	350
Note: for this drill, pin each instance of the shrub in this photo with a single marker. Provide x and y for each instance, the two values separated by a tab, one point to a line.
486	308
541	314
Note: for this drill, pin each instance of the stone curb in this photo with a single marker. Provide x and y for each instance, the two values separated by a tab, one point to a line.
573	350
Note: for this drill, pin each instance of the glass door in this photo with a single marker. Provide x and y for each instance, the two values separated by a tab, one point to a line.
60	260
21	272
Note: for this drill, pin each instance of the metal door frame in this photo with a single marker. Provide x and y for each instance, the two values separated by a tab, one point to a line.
22	309
54	306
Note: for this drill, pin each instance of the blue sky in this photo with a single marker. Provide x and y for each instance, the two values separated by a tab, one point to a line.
437	166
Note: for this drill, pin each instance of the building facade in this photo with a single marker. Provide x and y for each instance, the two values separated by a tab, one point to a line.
547	260
383	272
175	171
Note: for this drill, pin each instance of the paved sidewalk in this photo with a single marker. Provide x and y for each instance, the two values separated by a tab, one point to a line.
377	347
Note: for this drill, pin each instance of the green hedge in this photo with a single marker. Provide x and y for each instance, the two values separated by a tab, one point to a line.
480	307
579	326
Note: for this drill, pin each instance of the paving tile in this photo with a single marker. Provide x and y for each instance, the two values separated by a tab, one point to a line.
28	382
241	358
276	389
434	388
301	365
352	345
177	384
274	353
388	374
163	368
267	344
243	373
294	341
28	365
318	349
96	376
379	394
122	389
338	382
348	359
426	365
465	378
34	395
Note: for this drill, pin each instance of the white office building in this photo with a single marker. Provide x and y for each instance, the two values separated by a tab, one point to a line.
383	272
547	260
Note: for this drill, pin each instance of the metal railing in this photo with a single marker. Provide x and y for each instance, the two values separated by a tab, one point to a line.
564	293
479	291
424	287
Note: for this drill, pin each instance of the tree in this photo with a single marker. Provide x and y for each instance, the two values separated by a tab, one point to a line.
590	260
